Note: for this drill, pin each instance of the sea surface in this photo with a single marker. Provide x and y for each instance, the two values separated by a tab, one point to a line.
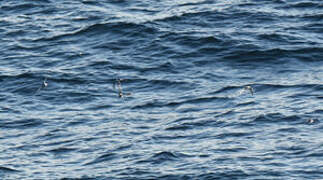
151	89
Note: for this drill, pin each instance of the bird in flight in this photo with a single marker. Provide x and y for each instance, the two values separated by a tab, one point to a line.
250	89
44	84
120	92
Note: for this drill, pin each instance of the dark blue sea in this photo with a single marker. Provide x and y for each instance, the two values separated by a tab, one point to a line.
151	89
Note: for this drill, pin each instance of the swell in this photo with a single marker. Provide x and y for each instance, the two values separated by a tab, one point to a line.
136	67
282	38
277	118
117	28
21	7
213	16
272	55
172	104
4	169
162	157
315	17
199	3
22	124
301	5
271	87
191	40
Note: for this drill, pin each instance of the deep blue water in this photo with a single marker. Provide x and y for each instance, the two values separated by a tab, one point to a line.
159	89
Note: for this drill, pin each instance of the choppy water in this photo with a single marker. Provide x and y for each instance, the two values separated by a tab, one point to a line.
186	64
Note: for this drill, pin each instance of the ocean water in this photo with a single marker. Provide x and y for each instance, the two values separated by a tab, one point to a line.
187	89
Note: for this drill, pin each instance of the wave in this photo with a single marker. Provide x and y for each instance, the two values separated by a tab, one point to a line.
19	7
302	5
6	169
272	55
172	104
277	118
103	158
163	156
22	124
62	150
116	28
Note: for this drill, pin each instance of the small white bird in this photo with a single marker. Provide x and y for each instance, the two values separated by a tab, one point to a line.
45	84
311	121
250	89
